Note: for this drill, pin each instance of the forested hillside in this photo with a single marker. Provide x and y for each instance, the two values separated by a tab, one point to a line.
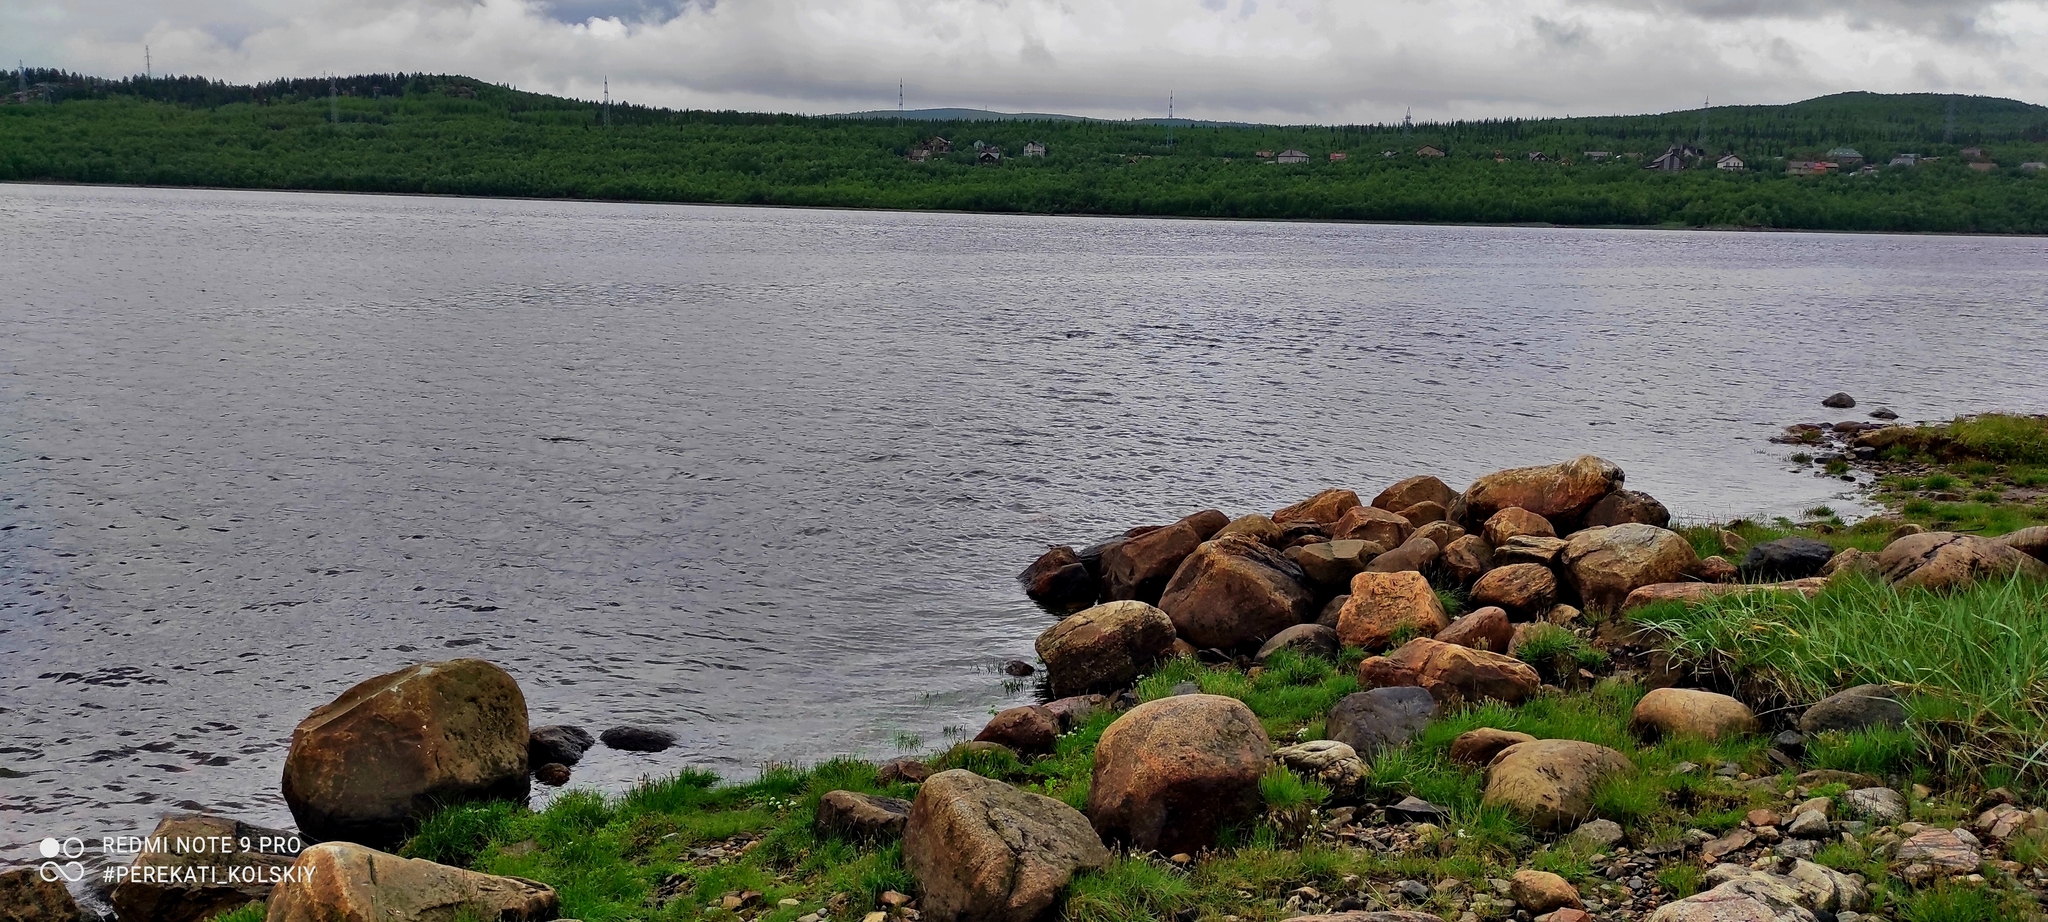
455	135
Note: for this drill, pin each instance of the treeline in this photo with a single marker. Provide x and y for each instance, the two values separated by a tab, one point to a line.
455	135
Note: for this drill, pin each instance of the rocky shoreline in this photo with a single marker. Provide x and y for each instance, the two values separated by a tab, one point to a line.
1423	609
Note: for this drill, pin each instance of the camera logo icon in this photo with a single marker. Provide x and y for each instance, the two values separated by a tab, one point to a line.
69	870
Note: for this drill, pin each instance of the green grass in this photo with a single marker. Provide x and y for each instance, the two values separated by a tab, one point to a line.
1881	752
1974	663
252	912
2002	437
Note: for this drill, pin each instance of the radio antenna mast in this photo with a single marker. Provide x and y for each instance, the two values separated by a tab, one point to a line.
1169	119
607	101
899	102
148	66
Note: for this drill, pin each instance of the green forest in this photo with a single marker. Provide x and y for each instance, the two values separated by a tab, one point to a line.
416	133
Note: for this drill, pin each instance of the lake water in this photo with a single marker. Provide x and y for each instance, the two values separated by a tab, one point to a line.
764	477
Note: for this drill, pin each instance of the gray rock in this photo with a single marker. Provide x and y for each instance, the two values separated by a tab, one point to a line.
1838	401
1857	708
1304	639
1383	717
1599	833
1785	558
983	850
853	815
26	897
1880	805
1808	824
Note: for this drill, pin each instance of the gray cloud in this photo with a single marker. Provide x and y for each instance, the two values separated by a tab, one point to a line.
1278	60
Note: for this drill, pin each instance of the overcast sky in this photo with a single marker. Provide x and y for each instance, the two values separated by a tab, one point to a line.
1265	60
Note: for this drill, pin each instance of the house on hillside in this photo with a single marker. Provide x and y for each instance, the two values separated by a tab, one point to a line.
1428	150
1846	156
987	154
2034	166
1972	153
1264	155
1810	167
925	150
1906	160
1389	154
1291	156
1675	159
1337	156
1731	163
1537	156
1034	149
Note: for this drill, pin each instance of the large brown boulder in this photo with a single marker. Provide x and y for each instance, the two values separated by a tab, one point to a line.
1060	581
1423	489
983	850
26	897
1524	589
1700	592
1385	604
1529	549
1942	560
1443	533
1478	747
1466	558
368	766
1624	507
862	817
1330	565
1138	568
1549	783
1560	493
1370	523
345	882
1235	591
212	865
1105	648
2032	542
1483	629
1418	554
1304	639
1515	522
1692	712
1171	773
1452	672
1323	508
1606	564
1257	527
1422	514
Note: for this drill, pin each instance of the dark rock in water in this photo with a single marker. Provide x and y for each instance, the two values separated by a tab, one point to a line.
1883	413
553	774
1857	708
865	817
1839	401
1060	581
1417	810
1018	668
637	739
1382	718
557	743
902	771
1786	558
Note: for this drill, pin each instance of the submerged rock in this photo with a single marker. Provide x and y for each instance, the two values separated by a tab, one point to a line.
558	743
1838	401
1060	581
637	739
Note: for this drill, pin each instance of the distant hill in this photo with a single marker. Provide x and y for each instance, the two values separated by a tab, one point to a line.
457	135
988	115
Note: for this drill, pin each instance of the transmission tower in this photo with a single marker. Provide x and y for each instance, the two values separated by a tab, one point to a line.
1169	119
607	101
1407	121
148	66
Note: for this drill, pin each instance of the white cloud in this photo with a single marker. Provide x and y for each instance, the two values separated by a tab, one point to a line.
1291	60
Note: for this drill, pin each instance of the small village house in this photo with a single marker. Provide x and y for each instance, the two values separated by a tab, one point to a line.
1537	156
1810	167
1336	156
1264	155
1846	156
1389	154
2034	166
1675	159
1906	160
1731	163
1971	153
1291	156
1034	149
1428	150
1983	166
925	150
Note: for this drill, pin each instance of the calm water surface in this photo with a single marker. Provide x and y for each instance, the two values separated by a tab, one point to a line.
763	477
